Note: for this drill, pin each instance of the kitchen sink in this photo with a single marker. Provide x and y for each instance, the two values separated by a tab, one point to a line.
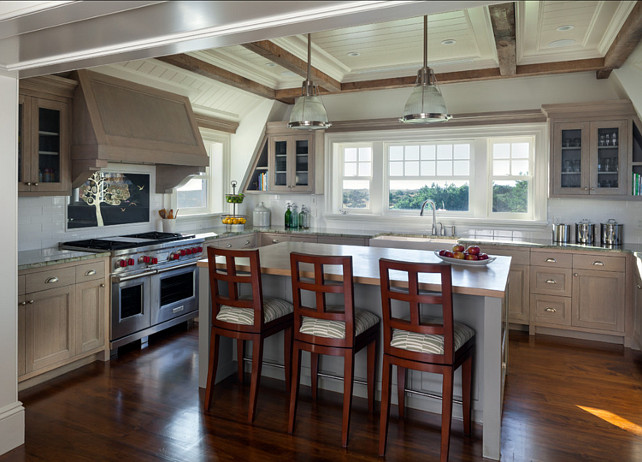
413	242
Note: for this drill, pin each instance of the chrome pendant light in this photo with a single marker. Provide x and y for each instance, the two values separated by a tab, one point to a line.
308	112
425	104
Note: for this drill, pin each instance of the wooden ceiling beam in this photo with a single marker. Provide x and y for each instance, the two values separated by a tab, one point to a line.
502	17
284	58
213	72
624	43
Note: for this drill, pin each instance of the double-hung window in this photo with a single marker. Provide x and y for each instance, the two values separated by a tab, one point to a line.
438	171
356	175
204	193
511	175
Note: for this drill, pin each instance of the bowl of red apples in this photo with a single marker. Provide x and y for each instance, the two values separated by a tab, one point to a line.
460	255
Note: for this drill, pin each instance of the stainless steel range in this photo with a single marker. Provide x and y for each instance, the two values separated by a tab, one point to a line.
154	283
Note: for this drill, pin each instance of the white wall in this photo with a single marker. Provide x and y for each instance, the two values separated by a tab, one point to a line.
629	76
12	426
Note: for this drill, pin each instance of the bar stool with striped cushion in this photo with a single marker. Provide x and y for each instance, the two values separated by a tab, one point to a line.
244	318
427	344
331	330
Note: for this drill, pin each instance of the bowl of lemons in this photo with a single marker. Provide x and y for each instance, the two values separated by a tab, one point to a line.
234	222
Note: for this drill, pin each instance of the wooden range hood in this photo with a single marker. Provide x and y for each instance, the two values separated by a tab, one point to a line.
119	121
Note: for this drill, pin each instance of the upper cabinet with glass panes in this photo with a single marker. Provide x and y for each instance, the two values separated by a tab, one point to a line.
44	136
284	161
591	148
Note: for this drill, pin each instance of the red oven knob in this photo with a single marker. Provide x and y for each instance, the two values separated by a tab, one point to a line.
146	259
122	263
183	252
188	251
196	250
131	262
154	260
199	249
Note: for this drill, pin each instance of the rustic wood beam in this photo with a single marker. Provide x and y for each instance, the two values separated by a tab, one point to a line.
214	123
287	60
502	17
624	43
213	72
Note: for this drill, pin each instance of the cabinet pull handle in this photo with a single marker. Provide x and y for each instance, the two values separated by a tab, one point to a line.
598	263
51	280
102	285
24	303
247	242
548	309
228	245
27	183
90	272
31	302
551	281
35	184
639	286
585	188
575	274
275	241
550	260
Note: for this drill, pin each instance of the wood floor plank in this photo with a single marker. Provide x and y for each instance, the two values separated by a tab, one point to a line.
146	406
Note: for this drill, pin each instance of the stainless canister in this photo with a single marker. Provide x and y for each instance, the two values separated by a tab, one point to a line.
561	233
584	232
612	233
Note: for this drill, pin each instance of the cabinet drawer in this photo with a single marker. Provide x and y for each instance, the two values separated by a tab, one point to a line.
50	279
551	259
21	284
551	281
550	310
599	262
90	271
518	256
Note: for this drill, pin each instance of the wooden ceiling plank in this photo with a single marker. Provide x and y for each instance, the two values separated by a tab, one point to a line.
502	17
624	43
292	63
208	70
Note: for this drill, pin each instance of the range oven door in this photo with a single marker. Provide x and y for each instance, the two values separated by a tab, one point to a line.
174	292
130	305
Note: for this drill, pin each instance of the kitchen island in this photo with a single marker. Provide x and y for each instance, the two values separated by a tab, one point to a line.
479	301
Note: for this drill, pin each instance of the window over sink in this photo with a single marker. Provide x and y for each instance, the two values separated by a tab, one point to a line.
491	172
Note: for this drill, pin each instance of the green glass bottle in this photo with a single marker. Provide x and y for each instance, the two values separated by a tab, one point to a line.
288	217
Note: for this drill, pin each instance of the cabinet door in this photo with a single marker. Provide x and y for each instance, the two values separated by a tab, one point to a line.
570	158
25	135
301	162
51	146
278	170
609	162
518	295
291	161
90	316
49	327
598	300
637	331
22	307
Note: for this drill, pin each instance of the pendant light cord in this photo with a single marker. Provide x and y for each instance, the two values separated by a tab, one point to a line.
425	41
309	57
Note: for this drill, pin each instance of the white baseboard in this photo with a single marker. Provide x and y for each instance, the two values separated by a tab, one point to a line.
12	426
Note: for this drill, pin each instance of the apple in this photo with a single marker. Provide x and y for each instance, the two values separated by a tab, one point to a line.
483	256
442	253
449	254
459	255
458	248
471	256
473	250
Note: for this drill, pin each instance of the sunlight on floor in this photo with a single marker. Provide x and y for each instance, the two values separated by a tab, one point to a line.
614	419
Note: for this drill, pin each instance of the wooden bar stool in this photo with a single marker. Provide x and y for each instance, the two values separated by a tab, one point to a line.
330	330
413	341
244	318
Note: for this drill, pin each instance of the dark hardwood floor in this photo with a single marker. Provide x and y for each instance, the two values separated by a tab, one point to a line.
146	406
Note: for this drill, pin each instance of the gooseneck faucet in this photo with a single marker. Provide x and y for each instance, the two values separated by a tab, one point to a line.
434	215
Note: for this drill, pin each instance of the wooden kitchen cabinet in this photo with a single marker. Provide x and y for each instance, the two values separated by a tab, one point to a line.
637	329
44	135
62	316
245	241
284	161
519	282
590	149
581	291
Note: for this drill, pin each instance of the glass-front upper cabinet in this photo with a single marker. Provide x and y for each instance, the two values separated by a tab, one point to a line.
43	146
290	157
589	158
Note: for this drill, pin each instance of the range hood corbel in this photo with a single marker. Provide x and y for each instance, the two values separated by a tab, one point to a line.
119	121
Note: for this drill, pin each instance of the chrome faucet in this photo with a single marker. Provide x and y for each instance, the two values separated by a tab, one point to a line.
434	231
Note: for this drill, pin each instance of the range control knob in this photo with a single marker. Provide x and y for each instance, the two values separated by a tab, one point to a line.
188	251
183	252
130	262
154	260
144	259
121	263
199	249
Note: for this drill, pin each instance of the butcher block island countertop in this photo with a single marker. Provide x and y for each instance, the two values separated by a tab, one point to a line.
479	300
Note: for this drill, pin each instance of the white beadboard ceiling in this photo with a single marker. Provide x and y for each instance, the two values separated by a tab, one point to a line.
546	31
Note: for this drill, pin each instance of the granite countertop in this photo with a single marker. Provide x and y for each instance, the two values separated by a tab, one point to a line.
28	259
549	244
221	232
